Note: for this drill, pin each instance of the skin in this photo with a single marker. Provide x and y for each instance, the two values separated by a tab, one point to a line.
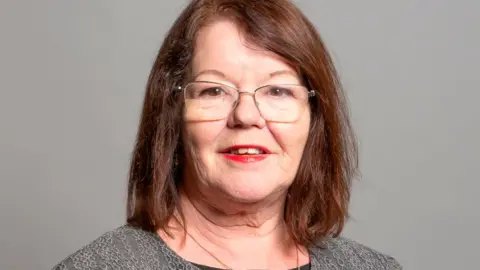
235	210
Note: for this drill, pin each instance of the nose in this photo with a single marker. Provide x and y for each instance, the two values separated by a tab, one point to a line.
246	114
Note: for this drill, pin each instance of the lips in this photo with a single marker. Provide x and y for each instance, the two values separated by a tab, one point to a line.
246	150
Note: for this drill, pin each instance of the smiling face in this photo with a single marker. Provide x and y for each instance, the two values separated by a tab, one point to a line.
213	148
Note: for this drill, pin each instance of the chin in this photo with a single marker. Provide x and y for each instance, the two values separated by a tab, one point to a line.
252	190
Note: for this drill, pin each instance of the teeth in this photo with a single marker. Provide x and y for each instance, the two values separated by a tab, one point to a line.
250	151
254	151
242	151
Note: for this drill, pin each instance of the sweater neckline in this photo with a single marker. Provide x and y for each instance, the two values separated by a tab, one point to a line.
314	264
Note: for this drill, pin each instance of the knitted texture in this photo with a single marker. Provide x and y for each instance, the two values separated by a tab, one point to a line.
132	248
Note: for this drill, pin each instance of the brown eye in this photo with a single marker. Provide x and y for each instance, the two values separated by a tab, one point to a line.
276	91
213	91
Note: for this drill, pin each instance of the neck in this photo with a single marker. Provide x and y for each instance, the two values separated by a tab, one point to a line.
236	232
218	216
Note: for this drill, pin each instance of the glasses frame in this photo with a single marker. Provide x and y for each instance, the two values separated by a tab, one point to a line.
310	92
178	89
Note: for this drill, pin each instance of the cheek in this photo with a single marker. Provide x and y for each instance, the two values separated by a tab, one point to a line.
202	136
291	138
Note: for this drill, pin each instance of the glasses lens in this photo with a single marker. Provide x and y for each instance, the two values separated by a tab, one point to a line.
282	102
207	101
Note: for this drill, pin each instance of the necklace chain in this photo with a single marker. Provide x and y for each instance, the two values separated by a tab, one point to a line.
222	263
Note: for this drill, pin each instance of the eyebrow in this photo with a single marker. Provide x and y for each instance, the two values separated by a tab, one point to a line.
222	75
212	72
283	72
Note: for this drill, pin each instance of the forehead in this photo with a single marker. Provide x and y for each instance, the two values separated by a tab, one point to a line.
222	46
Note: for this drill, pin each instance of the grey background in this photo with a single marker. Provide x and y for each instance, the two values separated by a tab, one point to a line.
72	82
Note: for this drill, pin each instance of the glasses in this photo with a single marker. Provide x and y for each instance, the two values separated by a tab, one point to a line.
209	101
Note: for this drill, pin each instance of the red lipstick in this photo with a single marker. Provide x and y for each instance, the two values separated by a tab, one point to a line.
230	154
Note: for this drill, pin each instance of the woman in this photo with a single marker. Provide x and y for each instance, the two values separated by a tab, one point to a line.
244	156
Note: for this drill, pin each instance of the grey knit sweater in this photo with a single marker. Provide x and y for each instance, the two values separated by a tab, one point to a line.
132	248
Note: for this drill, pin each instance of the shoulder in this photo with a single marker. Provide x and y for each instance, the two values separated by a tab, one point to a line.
344	253
122	248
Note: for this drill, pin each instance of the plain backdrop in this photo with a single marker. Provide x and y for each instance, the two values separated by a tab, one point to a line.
73	75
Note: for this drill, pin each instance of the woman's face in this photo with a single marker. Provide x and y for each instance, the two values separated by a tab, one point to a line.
222	56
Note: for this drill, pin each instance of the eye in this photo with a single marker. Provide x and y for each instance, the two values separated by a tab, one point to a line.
212	91
277	91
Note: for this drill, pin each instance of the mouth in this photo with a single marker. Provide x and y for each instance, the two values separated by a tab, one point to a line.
246	154
246	150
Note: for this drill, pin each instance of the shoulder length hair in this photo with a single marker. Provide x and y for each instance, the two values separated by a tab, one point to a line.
317	205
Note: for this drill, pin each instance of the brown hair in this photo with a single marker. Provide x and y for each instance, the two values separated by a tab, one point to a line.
317	205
